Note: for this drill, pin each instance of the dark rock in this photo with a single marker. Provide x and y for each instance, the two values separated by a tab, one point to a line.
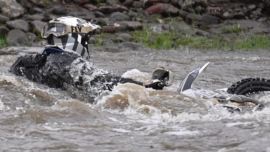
202	33
17	38
11	8
114	28
47	17
111	9
121	37
102	21
58	10
90	7
202	21
118	16
189	5
133	15
210	19
266	3
31	37
88	17
37	10
175	2
108	29
81	2
138	4
3	30
232	14
81	12
153	2
26	3
45	3
18	24
125	36
112	2
3	19
164	9
213	10
37	26
34	17
256	13
252	6
128	3
131	25
99	14
122	26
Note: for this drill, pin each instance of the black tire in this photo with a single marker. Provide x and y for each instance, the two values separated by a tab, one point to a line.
249	85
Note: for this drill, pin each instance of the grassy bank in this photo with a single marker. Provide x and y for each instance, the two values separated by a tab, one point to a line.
3	41
168	40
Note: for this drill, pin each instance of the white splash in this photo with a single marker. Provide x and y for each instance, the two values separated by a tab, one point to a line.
2	106
120	130
137	75
183	132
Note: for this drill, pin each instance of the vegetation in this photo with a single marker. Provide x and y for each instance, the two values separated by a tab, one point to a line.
3	41
233	29
154	40
253	42
99	40
168	40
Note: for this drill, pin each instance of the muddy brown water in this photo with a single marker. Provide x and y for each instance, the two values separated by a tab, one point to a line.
35	117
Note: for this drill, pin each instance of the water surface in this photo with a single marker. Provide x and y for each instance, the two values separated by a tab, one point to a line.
131	118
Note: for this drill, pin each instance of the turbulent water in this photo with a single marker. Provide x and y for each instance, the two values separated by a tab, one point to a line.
131	118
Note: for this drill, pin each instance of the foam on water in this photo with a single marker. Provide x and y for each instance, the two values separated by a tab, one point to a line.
137	75
154	115
183	132
2	106
120	130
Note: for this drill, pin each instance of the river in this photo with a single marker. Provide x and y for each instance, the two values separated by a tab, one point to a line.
34	117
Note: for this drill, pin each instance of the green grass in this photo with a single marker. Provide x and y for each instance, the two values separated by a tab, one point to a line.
154	40
99	39
233	29
253	42
3	41
168	40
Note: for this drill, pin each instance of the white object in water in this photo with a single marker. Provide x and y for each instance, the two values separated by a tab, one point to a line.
190	78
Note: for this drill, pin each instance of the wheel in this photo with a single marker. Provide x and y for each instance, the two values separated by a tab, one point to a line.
249	85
